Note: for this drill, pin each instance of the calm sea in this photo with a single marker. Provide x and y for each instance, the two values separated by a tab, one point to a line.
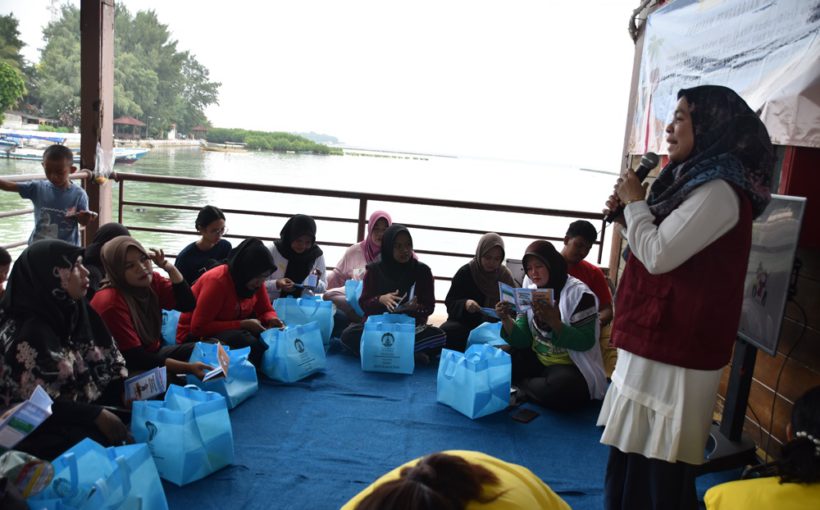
478	180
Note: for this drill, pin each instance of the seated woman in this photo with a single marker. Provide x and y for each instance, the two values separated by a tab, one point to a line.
389	281
791	482
353	263
474	286
92	259
130	303
456	480
50	337
207	252
296	258
554	361
231	303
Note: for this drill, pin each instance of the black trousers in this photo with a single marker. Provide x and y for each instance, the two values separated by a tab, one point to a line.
457	333
237	339
179	352
559	387
635	482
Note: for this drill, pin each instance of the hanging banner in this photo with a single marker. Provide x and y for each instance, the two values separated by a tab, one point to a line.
768	51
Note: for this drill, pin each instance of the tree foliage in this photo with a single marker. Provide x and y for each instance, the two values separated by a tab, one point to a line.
269	141
153	81
10	43
12	86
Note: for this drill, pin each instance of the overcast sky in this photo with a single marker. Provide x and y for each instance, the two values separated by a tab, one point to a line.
537	80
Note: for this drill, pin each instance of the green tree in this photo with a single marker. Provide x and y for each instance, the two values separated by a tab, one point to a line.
10	43
12	87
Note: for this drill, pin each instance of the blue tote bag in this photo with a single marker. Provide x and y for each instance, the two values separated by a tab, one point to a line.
388	343
189	433
353	291
170	320
293	353
304	310
89	476
476	382
241	382
486	333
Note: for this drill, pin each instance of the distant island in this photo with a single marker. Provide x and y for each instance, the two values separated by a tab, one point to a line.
319	137
270	141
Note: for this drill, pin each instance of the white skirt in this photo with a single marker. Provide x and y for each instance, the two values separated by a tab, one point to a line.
658	410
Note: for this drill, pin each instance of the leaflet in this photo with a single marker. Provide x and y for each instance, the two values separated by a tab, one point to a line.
147	384
23	418
224	362
521	298
408	298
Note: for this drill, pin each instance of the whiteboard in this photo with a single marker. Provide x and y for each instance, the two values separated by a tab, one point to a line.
775	234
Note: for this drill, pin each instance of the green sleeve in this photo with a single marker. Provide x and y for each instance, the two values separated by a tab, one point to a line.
580	337
521	336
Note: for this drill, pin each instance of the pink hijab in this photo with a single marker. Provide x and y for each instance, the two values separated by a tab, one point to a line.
369	247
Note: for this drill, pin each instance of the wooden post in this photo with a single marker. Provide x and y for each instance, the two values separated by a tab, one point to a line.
97	101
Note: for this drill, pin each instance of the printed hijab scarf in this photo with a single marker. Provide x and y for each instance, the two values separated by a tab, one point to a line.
731	143
369	247
143	302
487	283
552	258
299	264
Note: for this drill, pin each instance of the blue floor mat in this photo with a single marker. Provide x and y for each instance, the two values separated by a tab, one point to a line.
316	443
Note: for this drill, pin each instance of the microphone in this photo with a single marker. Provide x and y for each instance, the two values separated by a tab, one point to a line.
648	162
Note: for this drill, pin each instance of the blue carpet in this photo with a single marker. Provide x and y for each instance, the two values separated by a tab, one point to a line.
316	443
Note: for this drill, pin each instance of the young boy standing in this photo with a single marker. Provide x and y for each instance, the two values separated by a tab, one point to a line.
59	204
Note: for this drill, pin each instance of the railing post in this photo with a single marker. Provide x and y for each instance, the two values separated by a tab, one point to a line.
362	219
119	204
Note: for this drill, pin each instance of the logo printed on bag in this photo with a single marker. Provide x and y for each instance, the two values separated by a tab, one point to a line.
299	345
388	340
152	430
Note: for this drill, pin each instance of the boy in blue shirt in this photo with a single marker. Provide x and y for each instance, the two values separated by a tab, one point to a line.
59	204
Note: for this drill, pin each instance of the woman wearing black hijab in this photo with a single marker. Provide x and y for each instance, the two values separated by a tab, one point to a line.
679	299
296	258
387	285
92	259
50	337
556	362
231	303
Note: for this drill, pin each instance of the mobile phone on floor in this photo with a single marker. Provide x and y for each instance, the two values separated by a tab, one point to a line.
525	415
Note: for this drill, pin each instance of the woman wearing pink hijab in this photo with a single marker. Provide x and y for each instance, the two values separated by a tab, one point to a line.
352	266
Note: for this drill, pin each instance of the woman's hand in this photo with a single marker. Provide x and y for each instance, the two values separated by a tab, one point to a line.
284	284
199	369
389	300
545	313
504	310
471	306
112	428
252	325
613	203
629	189
157	256
276	323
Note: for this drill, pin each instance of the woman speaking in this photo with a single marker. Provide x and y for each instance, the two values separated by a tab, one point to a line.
680	296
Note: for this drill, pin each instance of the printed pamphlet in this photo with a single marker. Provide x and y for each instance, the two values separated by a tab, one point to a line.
22	419
147	384
224	362
521	298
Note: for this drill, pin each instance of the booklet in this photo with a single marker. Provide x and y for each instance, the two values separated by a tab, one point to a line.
521	298
22	419
401	306
146	385
224	362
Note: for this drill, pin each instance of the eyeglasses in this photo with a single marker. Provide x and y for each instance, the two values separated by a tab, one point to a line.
222	231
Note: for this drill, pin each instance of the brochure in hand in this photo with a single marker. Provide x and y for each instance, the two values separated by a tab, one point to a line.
521	298
146	385
22	419
224	363
408	298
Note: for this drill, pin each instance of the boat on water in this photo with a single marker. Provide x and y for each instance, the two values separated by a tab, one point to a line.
223	147
122	155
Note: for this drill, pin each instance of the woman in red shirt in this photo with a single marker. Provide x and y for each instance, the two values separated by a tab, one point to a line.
232	303
130	302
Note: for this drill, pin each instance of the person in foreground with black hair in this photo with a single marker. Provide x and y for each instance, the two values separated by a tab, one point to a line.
5	266
794	483
456	480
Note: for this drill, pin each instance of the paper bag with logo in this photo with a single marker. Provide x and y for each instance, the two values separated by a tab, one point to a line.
476	382
486	333
238	385
388	342
293	353
189	433
304	310
89	476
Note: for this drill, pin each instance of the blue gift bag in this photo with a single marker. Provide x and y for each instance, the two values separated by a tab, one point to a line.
486	333
293	353
89	476
170	319
476	382
241	382
189	433
353	291
388	342
301	311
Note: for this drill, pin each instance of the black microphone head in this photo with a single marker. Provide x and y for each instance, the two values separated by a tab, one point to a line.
648	162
